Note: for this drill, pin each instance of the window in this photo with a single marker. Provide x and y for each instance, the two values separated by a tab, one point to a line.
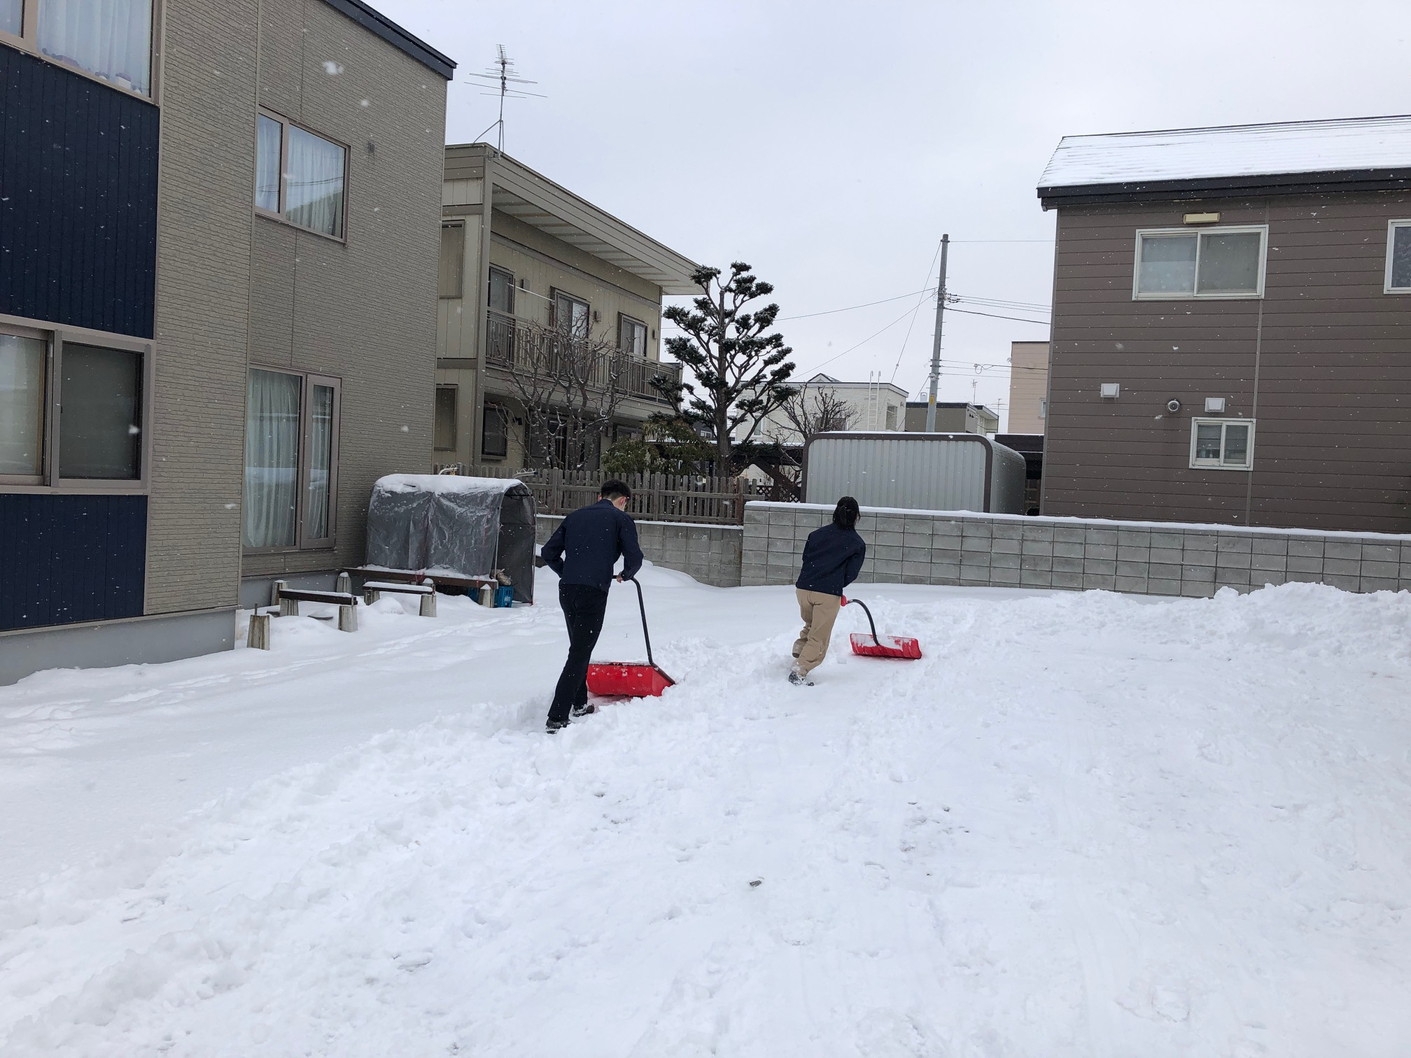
1222	444
291	460
1216	263
110	39
100	391
452	260
494	433
445	426
1398	277
632	336
502	291
570	315
299	176
23	362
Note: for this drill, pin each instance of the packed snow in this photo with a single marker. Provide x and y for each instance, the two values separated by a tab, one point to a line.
1083	824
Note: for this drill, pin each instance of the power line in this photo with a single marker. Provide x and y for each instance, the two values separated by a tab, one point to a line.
850	308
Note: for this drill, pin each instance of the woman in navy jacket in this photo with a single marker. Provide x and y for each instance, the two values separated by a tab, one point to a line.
832	559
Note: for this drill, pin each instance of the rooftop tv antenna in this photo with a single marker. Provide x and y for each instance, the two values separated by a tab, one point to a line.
501	75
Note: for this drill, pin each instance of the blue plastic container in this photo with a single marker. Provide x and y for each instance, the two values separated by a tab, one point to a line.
504	595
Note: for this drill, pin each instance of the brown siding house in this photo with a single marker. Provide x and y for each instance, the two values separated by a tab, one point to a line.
1231	328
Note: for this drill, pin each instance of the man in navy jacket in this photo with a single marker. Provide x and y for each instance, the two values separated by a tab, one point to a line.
583	551
832	559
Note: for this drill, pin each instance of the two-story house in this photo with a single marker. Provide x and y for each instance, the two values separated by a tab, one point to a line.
218	227
545	301
1231	335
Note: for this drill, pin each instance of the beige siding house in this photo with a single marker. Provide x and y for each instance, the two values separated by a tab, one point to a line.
1232	326
1028	387
522	260
249	208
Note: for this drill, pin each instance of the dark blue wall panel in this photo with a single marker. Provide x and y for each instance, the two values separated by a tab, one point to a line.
78	199
65	559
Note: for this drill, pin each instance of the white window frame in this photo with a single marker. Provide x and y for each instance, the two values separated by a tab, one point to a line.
1392	226
51	425
281	214
1220	464
1199	235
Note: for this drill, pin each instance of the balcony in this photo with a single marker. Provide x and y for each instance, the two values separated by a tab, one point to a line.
513	345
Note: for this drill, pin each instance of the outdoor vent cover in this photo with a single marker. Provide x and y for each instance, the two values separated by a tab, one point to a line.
1110	390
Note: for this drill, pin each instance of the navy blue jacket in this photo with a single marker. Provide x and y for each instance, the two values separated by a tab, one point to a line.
832	559
586	546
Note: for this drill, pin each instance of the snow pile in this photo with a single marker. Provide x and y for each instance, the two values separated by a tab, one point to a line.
1082	824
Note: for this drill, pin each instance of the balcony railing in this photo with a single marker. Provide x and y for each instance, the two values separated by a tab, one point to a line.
512	344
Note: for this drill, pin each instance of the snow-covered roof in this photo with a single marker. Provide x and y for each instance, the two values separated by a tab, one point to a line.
1289	148
394	483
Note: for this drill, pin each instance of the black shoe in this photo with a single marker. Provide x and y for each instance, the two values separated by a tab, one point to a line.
584	710
553	726
798	679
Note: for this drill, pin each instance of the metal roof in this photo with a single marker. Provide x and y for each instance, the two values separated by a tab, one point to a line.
1231	153
534	199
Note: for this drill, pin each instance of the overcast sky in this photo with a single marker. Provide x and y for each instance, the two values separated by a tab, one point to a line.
830	145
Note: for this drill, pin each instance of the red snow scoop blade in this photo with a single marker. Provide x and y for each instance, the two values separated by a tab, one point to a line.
626	679
875	646
885	646
629	679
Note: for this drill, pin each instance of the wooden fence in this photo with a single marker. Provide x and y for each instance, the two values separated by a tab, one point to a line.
655	497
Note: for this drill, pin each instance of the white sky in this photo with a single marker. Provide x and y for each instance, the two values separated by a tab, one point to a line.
830	146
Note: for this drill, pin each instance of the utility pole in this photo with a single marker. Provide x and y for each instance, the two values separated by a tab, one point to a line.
936	342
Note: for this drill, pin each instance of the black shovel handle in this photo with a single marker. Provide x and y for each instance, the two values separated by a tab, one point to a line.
643	607
849	603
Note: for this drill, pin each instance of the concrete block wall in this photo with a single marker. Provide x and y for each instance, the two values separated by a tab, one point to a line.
927	547
710	553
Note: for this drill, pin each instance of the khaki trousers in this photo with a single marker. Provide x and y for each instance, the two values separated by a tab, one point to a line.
818	610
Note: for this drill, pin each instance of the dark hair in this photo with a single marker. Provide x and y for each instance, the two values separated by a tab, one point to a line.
845	513
611	490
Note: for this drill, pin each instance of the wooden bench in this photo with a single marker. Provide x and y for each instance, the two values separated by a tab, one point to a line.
373	590
288	600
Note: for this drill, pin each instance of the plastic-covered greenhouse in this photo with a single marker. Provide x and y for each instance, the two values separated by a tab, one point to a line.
455	527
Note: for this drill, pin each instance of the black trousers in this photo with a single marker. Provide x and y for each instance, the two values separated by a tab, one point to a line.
583	609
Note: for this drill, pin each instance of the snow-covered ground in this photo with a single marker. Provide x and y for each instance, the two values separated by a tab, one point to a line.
1081	825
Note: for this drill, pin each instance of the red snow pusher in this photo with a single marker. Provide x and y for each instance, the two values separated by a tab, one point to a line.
629	679
874	646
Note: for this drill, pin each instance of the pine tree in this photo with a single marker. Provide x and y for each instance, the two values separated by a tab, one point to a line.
740	372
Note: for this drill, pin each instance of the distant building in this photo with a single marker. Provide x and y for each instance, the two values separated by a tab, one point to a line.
952	417
1028	387
859	405
525	261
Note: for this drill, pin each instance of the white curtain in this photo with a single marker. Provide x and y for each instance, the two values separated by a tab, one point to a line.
267	164
314	183
320	461
111	39
272	460
10	16
21	404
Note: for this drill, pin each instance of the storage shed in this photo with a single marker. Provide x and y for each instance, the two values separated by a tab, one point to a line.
924	472
459	527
